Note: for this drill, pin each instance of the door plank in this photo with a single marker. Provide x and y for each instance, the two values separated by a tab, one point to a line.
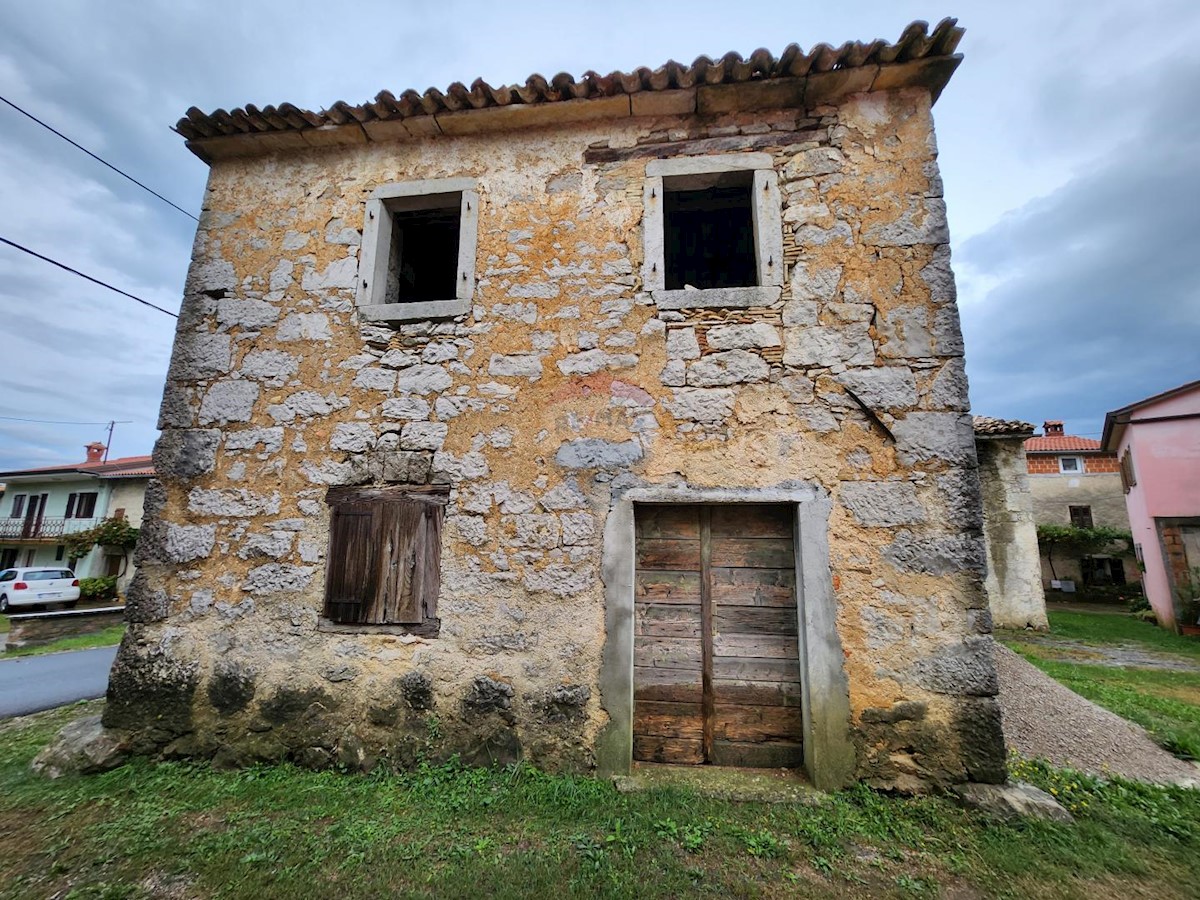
745	669
753	553
754	587
666	620
667	653
778	620
660	553
758	755
674	720
729	691
757	723
668	522
753	521
654	748
757	646
668	587
706	628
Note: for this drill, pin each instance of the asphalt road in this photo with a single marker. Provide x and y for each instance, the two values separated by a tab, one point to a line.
32	683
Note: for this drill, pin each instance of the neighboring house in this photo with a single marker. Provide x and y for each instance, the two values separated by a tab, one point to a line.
588	421
44	504
1075	481
1014	583
1157	443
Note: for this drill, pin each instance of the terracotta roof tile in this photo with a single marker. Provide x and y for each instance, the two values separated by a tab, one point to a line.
917	43
986	426
1058	443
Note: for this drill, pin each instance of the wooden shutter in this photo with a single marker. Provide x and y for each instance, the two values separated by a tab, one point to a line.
18	506
384	556
352	575
71	498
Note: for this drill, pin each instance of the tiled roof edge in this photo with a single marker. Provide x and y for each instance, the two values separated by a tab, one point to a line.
912	59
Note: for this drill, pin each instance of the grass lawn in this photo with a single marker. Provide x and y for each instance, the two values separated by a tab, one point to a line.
185	830
1166	703
106	638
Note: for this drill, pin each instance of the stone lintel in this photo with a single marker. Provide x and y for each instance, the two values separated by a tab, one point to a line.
774	93
708	165
718	298
418	311
828	88
664	103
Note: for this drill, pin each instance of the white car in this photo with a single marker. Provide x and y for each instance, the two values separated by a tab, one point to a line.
38	586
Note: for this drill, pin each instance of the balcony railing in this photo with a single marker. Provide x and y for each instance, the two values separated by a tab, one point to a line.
45	529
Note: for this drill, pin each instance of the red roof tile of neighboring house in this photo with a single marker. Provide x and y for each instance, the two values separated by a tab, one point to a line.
122	467
1059	443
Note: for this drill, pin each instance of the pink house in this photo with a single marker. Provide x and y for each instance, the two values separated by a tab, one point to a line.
1158	443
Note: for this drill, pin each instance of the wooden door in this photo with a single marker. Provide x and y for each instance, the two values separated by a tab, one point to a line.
716	655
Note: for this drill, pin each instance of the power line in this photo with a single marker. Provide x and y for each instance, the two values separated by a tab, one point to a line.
57	422
98	159
55	262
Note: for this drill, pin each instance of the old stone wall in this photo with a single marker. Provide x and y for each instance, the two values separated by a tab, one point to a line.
1014	583
562	388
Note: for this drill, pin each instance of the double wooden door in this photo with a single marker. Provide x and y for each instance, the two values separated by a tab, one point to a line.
716	647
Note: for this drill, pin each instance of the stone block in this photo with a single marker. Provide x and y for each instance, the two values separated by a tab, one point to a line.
949	390
177	409
595	453
682	344
274	545
228	401
406	408
962	669
423	435
352	437
578	528
453	468
373	379
246	314
922	222
270	439
306	405
515	365
198	356
237	503
399	359
823	345
1012	801
743	337
726	368
947	332
591	361
936	554
84	747
185	543
701	404
939	277
905	333
882	503
928	436
304	327
186	453
277	578
882	387
423	379
274	367
537	530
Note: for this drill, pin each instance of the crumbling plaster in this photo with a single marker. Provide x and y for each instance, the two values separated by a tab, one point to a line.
564	388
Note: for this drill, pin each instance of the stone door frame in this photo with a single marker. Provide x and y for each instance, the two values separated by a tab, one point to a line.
829	757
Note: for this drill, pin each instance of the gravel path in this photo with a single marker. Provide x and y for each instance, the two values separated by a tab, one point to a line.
1044	719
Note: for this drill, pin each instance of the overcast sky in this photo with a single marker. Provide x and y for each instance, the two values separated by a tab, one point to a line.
1068	146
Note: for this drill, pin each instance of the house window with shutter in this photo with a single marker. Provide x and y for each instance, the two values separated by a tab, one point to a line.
384	557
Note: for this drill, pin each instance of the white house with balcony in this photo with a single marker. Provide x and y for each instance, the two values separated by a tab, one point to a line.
41	506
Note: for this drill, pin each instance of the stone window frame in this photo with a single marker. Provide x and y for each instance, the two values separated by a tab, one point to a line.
829	756
404	196
1063	470
767	209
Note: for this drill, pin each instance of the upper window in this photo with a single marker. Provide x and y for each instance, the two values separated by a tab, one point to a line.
1070	465
418	250
18	506
384	561
1081	516
81	506
714	231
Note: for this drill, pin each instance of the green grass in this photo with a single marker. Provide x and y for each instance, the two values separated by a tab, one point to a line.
1166	703
180	829
106	638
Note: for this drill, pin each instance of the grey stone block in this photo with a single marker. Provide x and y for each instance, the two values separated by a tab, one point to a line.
1012	801
423	379
743	337
882	387
187	542
304	327
701	404
186	453
271	439
423	435
883	504
177	409
406	408
374	379
926	436
950	390
936	554
726	368
818	284
198	355
352	437
246	314
516	365
595	453
278	578
682	344
823	345
228	401
964	669
273	367
236	503
905	333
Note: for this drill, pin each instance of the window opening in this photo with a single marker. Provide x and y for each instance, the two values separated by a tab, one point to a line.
1081	516
708	231
18	506
424	254
1070	465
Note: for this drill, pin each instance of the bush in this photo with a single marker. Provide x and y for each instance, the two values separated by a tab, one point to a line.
98	588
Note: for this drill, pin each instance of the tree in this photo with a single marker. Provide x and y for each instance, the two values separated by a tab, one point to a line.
116	533
1078	541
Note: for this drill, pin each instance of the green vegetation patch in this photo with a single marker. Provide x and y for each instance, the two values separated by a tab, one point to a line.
181	829
109	637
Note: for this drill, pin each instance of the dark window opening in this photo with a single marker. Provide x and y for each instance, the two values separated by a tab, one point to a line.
59	552
1102	571
1081	516
708	239
384	564
18	506
81	506
424	257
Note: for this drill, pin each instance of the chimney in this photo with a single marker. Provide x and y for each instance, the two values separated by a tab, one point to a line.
1052	426
95	451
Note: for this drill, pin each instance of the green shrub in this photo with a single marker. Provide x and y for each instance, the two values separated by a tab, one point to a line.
98	588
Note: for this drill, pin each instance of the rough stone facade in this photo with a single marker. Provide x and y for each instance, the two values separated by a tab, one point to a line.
1013	584
563	389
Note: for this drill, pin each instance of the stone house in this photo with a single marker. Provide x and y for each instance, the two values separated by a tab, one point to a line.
596	421
45	504
1075	481
1014	582
1157	443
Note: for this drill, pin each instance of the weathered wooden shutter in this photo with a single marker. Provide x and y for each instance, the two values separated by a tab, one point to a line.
400	534
352	577
71	505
